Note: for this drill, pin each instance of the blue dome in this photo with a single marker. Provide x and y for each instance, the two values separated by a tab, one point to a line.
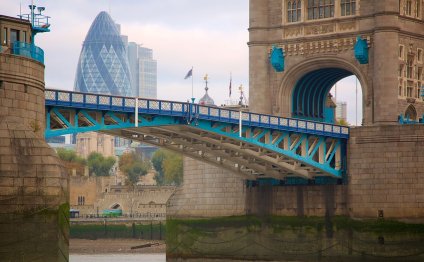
103	63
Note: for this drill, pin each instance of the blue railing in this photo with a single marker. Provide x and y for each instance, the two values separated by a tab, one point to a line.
187	110
28	50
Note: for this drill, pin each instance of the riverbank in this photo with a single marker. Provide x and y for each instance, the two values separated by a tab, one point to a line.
116	246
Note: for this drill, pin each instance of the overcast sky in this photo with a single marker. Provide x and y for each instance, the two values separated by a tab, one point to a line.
211	36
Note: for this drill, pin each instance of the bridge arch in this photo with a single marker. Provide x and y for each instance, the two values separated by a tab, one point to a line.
297	98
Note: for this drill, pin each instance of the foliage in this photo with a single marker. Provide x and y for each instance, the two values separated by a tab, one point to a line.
342	122
169	167
100	165
133	166
157	160
173	169
71	156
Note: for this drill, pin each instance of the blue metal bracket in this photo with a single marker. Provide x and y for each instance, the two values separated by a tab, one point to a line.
277	59
361	51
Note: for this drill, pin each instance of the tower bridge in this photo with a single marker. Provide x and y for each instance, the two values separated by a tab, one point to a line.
296	55
252	145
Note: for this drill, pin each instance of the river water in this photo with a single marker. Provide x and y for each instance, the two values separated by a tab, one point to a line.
118	258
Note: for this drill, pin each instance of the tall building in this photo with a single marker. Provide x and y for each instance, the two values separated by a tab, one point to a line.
103	63
341	111
103	69
143	70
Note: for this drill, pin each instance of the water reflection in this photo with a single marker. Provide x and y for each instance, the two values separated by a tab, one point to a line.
292	239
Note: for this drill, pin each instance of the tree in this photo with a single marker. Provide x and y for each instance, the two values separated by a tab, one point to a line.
100	165
72	161
343	122
71	156
173	169
133	166
169	167
157	160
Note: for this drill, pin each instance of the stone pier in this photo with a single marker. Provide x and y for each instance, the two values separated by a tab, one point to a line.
34	209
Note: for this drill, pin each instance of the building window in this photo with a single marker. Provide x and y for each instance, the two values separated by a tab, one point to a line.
81	200
24	36
409	89
14	36
401	52
318	9
408	7
400	90
410	67
400	70
5	40
417	8
348	7
419	55
294	11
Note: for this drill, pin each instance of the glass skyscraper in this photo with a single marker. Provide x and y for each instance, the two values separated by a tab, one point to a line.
103	63
143	70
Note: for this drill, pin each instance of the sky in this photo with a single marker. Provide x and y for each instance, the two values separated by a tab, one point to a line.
209	36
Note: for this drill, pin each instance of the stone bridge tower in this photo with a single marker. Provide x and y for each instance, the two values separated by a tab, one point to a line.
34	210
318	40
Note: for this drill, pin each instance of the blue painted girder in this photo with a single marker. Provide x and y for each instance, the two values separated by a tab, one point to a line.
327	164
311	145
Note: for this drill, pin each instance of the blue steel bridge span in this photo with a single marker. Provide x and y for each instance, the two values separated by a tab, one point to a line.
255	146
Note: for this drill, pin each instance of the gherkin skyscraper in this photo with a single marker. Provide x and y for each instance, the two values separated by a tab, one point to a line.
103	63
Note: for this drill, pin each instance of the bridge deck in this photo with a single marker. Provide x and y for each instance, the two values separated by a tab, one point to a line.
253	145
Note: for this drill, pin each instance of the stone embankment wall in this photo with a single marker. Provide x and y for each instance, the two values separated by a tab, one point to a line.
34	210
100	193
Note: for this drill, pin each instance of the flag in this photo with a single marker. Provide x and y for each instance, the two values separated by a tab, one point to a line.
189	73
230	85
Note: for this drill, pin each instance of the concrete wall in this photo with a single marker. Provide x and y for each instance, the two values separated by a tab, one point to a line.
33	185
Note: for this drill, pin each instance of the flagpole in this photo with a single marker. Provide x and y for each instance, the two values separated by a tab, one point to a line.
231	78
192	86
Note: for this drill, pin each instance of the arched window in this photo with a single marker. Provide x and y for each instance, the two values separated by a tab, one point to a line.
411	113
294	11
348	7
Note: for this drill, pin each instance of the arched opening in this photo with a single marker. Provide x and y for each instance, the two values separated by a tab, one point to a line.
411	113
315	97
310	94
347	94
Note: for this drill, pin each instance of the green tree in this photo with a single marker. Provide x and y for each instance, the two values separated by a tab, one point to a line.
157	160
69	155
343	122
100	165
168	166
173	169
133	166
